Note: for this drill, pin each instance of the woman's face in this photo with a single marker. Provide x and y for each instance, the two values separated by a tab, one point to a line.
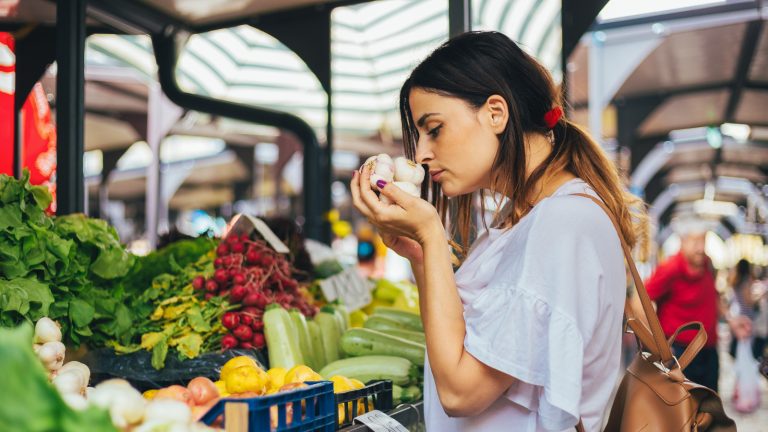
458	142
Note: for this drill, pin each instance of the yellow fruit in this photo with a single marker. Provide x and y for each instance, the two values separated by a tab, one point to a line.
222	387
276	379
301	373
356	383
236	362
246	379
357	318
149	394
341	384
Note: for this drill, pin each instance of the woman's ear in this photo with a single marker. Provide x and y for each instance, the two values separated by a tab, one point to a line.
498	112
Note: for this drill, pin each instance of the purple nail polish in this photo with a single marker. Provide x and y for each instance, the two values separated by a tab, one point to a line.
381	183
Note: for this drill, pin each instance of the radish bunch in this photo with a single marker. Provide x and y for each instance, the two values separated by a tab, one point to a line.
250	273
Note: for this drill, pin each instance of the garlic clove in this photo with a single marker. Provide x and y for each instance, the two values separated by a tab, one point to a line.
409	188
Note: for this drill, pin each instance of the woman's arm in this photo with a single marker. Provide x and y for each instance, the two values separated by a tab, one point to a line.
465	385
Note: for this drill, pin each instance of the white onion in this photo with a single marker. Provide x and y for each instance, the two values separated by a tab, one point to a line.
125	403
52	355
69	382
168	410
46	330
75	401
76	365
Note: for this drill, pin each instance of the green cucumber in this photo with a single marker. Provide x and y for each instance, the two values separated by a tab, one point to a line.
368	368
382	323
305	345
411	335
409	319
282	338
316	340
362	341
329	332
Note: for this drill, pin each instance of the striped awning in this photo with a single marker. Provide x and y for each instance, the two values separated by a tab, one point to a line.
374	46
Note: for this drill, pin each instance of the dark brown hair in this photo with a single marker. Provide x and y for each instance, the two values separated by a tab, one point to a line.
476	65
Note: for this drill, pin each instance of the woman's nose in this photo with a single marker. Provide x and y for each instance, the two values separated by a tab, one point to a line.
423	153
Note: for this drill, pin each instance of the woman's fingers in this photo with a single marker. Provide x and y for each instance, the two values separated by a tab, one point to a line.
367	195
356	200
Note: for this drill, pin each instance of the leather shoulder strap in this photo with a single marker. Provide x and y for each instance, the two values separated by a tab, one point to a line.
654	340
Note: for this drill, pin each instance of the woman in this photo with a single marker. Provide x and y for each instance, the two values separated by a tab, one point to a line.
526	335
746	304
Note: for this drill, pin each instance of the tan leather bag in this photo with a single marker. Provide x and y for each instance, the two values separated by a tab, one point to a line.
654	395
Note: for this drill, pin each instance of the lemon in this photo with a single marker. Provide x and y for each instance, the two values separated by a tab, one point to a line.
246	379
276	379
357	384
222	387
341	384
236	362
301	373
149	394
357	318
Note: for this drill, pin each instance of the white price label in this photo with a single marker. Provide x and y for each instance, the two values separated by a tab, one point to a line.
377	421
349	286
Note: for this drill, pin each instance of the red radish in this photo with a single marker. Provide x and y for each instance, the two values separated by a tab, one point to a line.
211	286
222	249
257	325
243	332
252	299
246	320
232	272
258	340
245	345
198	282
218	262
228	341
238	278
237	247
237	294
262	301
230	320
221	276
252	257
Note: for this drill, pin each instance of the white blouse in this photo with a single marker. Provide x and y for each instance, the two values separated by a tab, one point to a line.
543	303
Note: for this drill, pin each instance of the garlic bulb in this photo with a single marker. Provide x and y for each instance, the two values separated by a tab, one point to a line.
409	171
409	188
382	168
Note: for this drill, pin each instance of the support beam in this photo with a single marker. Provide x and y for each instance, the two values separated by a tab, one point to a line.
167	49
70	51
459	17
746	56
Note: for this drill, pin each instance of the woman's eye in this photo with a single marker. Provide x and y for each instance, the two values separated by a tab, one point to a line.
434	131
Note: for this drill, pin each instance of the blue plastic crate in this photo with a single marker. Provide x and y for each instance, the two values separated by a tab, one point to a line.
318	414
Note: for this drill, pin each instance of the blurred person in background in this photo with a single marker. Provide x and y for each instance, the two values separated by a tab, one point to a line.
683	288
746	302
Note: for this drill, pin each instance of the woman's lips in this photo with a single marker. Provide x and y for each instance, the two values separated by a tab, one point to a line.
436	174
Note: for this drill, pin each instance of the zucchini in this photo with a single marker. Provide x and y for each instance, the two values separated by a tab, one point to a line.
282	338
368	368
382	323
339	305
329	332
317	343
409	319
411	393
361	341
411	335
397	394
305	345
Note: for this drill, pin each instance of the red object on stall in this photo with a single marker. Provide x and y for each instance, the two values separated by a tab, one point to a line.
40	141
7	90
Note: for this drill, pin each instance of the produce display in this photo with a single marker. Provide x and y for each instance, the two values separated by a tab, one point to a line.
71	278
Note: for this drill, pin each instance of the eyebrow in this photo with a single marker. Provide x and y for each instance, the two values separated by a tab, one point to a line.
423	119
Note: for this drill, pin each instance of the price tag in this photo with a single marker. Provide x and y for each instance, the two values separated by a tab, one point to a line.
377	421
349	286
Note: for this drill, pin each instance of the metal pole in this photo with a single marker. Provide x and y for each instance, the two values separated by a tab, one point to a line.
459	17
70	51
596	104
18	142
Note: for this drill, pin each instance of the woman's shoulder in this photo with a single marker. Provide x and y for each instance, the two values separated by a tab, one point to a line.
567	213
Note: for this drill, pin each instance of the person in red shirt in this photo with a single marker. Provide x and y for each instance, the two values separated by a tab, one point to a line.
683	288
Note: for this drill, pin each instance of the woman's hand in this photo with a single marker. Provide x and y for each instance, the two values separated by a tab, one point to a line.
408	216
405	247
